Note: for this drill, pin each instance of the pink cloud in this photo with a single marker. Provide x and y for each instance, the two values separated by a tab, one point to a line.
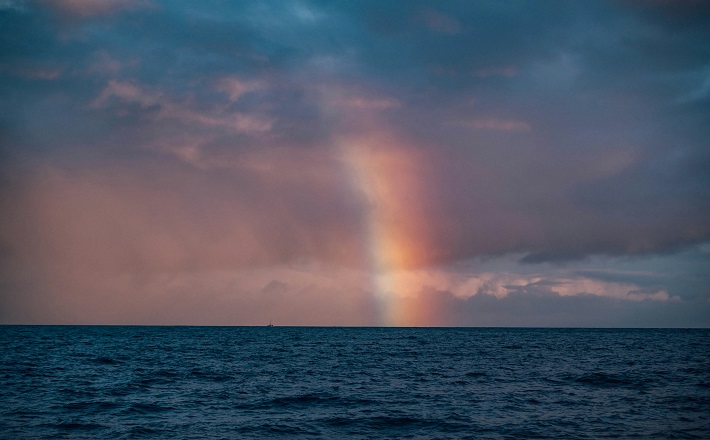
276	234
498	124
438	21
235	87
161	242
356	103
170	109
360	102
33	71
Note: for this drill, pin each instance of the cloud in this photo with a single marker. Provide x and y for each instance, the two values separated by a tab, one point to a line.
498	125
13	4
235	87
162	107
89	8
439	22
141	268
371	104
103	64
548	309
127	92
39	73
236	297
508	72
502	284
185	140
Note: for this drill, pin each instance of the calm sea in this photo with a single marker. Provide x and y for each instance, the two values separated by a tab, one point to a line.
297	382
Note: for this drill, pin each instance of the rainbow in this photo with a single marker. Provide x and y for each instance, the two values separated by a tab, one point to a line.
394	225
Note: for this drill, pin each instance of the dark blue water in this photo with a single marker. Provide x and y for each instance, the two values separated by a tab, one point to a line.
240	382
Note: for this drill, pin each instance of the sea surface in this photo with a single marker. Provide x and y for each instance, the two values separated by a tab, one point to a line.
340	383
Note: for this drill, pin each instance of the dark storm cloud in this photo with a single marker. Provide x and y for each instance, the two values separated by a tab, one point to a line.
537	92
683	275
555	131
537	307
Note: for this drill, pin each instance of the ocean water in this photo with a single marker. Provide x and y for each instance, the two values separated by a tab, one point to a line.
297	382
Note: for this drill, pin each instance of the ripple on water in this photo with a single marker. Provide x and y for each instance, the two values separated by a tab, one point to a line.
172	382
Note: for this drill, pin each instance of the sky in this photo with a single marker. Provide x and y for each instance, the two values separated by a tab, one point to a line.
360	163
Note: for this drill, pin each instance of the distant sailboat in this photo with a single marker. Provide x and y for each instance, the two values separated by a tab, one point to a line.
270	324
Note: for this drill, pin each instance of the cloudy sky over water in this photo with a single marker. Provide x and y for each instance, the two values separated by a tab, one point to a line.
487	163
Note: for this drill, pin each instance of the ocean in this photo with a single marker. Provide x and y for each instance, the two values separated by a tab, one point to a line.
352	383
